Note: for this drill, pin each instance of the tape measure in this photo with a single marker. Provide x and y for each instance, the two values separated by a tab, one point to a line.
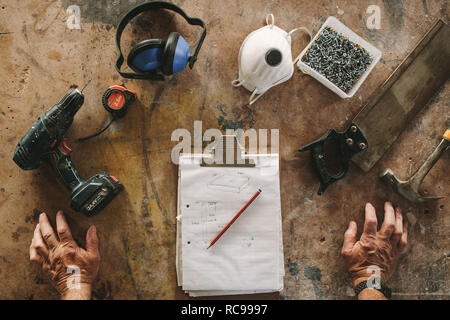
117	100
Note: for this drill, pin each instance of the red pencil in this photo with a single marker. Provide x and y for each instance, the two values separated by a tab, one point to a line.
235	217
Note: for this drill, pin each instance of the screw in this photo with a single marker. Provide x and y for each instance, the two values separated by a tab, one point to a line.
337	58
349	141
362	145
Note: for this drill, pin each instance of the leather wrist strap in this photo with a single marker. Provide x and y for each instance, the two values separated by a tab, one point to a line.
383	288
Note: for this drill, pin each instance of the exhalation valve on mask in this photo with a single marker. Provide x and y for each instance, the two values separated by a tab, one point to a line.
265	59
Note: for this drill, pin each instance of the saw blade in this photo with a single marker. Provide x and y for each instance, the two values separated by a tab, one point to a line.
395	103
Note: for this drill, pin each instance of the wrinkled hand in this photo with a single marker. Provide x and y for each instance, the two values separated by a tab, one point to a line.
71	268
375	248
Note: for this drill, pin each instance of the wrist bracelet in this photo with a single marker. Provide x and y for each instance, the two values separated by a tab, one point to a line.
383	288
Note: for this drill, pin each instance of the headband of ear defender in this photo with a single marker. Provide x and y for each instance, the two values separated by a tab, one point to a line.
152	58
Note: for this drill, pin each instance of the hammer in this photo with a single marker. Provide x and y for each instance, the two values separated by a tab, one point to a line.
410	188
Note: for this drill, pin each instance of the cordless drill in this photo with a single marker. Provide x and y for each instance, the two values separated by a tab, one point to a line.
45	142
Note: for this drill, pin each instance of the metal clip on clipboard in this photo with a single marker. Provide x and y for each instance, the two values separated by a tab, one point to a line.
232	155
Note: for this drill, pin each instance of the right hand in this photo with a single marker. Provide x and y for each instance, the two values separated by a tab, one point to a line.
375	248
71	269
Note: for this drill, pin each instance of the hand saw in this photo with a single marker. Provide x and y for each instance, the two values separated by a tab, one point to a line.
390	108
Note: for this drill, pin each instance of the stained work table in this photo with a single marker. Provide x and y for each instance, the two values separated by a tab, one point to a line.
41	58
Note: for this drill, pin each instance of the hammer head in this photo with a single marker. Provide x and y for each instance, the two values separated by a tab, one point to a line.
405	188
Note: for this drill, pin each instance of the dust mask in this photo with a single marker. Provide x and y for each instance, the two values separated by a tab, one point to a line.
265	59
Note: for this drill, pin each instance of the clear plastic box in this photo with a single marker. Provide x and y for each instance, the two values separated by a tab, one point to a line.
346	32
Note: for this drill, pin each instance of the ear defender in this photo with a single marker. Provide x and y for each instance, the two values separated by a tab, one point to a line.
152	59
176	54
146	56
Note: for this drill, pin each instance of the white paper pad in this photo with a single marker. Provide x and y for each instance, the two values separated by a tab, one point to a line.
248	258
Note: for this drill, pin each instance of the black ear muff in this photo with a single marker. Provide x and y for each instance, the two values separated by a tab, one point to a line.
146	56
169	53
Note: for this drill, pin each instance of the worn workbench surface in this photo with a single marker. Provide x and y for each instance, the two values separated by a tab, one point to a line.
40	58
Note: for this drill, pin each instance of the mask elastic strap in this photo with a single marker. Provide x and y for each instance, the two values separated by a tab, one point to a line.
255	96
304	30
270	15
237	83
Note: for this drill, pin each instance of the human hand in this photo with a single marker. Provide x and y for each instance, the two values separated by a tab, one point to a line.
375	248
71	268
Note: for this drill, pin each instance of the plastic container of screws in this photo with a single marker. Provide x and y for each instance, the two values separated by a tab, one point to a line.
343	58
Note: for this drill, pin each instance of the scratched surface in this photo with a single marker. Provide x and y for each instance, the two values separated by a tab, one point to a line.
40	58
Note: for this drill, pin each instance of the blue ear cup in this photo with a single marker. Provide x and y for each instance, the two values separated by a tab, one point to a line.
176	54
146	56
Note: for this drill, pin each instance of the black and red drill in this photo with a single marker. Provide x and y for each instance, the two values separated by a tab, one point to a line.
45	142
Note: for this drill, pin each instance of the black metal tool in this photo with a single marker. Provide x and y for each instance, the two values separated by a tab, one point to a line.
45	142
348	143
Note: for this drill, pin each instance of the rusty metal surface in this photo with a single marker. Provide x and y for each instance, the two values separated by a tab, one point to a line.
404	94
40	58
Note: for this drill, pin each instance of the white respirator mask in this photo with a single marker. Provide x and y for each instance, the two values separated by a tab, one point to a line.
265	59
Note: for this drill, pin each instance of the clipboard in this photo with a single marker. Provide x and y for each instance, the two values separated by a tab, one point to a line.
211	188
228	152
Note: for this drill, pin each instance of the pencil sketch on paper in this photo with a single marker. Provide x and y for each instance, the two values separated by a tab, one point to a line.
211	223
208	218
228	182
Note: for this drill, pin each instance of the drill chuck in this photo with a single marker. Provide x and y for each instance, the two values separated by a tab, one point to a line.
60	116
